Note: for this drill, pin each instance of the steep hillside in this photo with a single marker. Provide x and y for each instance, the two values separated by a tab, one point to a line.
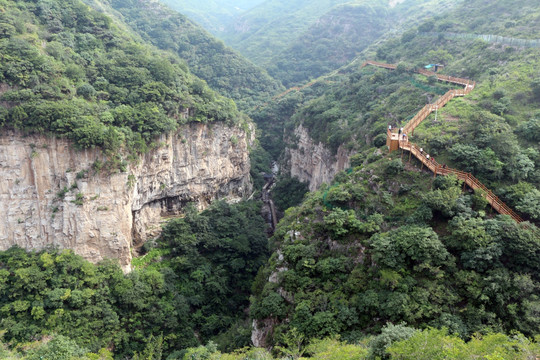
213	15
327	122
271	26
223	69
72	72
104	135
388	242
308	39
106	139
496	124
499	18
331	41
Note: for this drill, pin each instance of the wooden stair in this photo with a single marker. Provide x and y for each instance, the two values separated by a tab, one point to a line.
438	169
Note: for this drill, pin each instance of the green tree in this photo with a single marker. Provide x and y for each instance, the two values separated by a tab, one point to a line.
390	334
408	246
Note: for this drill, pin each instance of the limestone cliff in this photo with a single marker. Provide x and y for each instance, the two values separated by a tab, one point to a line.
51	194
314	163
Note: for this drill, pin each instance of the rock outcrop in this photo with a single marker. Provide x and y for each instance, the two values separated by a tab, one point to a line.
52	195
314	163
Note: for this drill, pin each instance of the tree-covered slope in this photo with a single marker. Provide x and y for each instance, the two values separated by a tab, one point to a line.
383	244
271	26
518	19
223	69
297	41
70	70
340	35
492	132
350	109
193	286
332	41
213	15
388	243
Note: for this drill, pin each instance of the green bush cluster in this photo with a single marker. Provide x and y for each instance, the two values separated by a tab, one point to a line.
194	286
396	342
223	69
354	263
288	192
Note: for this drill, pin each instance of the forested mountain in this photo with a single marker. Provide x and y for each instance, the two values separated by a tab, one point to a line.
70	70
385	242
497	122
223	69
333	40
297	41
271	26
213	15
386	262
340	35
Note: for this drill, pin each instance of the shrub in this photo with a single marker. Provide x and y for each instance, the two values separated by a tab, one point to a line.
356	160
394	167
379	140
530	130
389	335
87	91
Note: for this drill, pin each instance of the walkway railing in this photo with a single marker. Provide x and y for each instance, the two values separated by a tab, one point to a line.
496	203
438	169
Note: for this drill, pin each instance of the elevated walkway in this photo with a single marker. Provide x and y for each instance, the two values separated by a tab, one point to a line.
394	142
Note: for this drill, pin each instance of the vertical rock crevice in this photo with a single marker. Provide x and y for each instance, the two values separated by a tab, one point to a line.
314	163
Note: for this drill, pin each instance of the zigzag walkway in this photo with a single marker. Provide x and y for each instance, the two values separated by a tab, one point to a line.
394	139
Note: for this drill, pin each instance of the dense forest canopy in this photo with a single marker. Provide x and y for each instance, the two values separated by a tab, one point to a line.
386	262
207	57
69	70
191	287
213	15
379	246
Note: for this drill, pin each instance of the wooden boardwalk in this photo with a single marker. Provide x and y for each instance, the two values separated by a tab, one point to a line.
438	169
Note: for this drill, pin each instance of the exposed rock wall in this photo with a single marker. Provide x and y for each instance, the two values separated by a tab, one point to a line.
107	215
314	163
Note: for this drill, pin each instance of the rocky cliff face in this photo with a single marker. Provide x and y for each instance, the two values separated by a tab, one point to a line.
313	163
51	194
